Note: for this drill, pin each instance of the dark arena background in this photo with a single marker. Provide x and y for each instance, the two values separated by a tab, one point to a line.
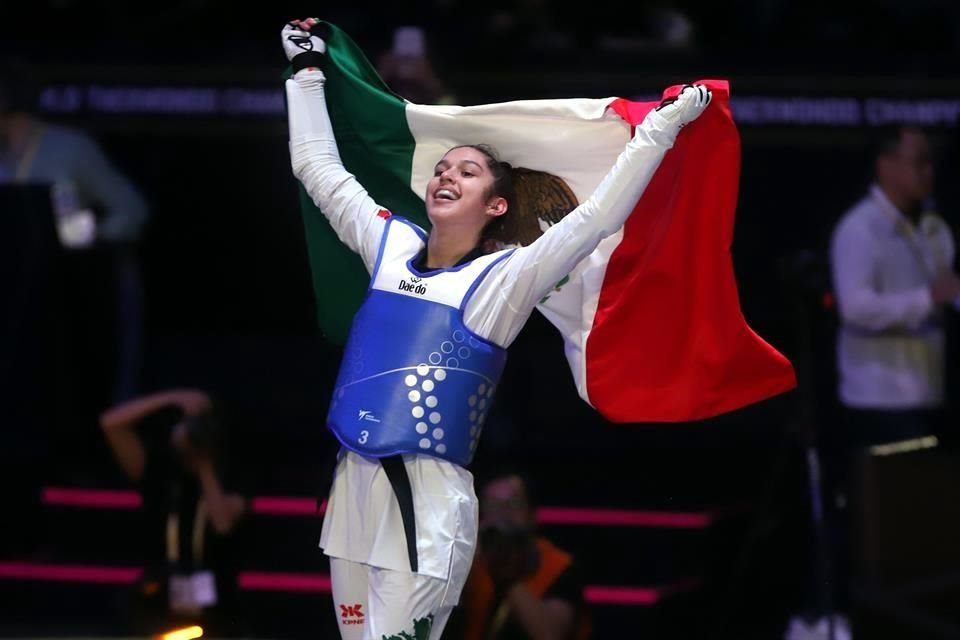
711	529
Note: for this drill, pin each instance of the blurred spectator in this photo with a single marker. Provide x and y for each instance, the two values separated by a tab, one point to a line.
33	150
407	69
95	205
892	265
663	27
521	585
893	271
171	445
529	26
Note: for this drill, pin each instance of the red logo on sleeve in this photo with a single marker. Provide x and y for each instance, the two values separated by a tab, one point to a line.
383	213
351	614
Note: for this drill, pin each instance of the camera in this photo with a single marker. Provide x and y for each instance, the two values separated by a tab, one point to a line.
504	538
203	432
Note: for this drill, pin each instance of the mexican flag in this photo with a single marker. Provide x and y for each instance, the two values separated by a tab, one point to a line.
651	320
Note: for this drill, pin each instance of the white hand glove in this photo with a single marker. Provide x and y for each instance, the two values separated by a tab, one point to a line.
298	41
687	106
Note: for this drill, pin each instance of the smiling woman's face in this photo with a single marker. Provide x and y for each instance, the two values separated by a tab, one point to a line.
461	190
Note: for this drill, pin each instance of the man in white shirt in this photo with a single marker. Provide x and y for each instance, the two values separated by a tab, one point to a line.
892	261
892	266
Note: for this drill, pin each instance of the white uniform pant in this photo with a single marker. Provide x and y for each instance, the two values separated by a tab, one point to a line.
379	604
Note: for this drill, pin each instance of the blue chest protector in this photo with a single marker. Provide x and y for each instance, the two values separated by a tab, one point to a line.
413	378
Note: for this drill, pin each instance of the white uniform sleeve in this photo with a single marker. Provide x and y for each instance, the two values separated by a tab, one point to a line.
858	301
316	163
532	271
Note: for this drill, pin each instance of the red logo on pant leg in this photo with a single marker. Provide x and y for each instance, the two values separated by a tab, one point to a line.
351	614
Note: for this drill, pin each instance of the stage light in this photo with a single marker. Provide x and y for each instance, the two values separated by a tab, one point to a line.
904	446
187	633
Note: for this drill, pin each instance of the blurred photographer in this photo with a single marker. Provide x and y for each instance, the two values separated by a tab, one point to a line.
407	68
521	586
170	444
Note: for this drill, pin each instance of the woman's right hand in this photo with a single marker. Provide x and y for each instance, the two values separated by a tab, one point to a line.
297	39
